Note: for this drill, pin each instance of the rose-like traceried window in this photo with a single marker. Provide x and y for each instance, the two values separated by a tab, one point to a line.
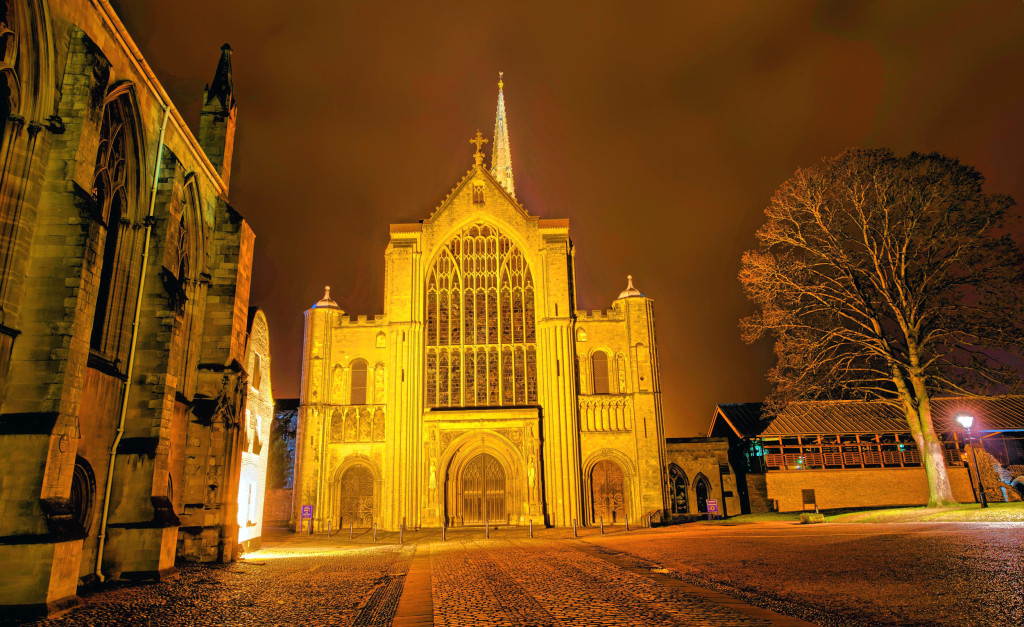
481	326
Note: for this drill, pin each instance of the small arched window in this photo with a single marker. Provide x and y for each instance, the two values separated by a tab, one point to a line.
358	389
599	370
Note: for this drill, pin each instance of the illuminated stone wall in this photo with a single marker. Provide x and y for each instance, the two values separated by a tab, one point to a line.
81	149
259	414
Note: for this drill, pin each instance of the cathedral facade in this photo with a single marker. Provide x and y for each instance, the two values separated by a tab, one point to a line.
481	394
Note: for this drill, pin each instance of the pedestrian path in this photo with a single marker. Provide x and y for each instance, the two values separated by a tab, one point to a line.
509	579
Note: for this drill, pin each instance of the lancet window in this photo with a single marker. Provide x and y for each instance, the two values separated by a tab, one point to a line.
481	325
357	394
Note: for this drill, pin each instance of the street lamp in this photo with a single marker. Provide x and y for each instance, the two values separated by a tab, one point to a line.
967	421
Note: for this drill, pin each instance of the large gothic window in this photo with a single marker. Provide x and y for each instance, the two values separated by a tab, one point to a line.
481	326
115	198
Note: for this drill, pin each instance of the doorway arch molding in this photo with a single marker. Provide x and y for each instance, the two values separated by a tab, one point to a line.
354	460
466	448
628	479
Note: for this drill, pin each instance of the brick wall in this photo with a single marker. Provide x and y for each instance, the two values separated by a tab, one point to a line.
277	507
867	487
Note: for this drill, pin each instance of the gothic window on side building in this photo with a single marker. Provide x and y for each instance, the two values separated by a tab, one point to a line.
678	485
481	325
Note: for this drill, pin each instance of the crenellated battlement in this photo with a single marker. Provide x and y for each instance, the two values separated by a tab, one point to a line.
599	314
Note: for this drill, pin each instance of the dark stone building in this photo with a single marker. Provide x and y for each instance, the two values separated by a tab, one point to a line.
124	288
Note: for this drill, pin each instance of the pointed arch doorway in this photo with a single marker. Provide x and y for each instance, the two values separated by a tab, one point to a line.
483	491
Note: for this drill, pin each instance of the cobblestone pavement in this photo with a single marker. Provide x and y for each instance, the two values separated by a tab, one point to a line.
851	574
546	582
509	579
357	586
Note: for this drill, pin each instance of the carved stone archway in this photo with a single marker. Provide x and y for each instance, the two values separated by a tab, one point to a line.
354	493
475	465
629	496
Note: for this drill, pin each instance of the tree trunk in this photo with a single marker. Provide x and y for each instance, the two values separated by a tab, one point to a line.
919	416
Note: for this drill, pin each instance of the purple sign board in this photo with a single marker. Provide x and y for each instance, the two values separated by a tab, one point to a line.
712	506
307	511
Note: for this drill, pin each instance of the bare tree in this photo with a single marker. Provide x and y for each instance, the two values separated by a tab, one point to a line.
888	278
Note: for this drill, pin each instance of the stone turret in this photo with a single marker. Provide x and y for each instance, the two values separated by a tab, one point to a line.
218	116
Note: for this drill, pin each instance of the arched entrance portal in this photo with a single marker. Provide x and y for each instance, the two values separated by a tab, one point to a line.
356	502
606	484
483	490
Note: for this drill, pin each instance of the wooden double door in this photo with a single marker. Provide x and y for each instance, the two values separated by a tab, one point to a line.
607	487
484	491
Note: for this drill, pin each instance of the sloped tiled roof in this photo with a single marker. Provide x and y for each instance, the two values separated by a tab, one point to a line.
991	414
743	418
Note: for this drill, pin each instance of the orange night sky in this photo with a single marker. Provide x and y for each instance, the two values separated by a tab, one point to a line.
660	130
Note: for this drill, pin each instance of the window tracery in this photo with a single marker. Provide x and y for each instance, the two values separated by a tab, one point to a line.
481	325
115	197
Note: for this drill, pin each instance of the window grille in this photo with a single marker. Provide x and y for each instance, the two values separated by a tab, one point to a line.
358	390
599	367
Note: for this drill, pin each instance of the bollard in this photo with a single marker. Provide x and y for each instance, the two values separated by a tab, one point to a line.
310	526
574	528
351	524
487	529
444	529
401	534
602	525
328	527
627	522
374	532
531	527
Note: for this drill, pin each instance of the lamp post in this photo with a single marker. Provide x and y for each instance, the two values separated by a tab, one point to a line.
967	421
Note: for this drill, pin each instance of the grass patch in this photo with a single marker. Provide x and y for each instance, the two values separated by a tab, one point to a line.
966	512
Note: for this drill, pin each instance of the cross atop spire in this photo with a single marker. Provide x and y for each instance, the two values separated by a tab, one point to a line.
501	156
479	140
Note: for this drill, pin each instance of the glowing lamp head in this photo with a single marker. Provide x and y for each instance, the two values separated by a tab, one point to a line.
965	420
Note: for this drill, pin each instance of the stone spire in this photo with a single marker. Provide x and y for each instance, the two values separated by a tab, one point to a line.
222	87
217	117
501	155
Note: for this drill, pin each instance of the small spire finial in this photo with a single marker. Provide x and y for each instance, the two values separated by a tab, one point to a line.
479	140
501	81
327	292
629	278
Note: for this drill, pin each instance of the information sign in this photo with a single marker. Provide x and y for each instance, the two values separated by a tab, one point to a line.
712	506
307	511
